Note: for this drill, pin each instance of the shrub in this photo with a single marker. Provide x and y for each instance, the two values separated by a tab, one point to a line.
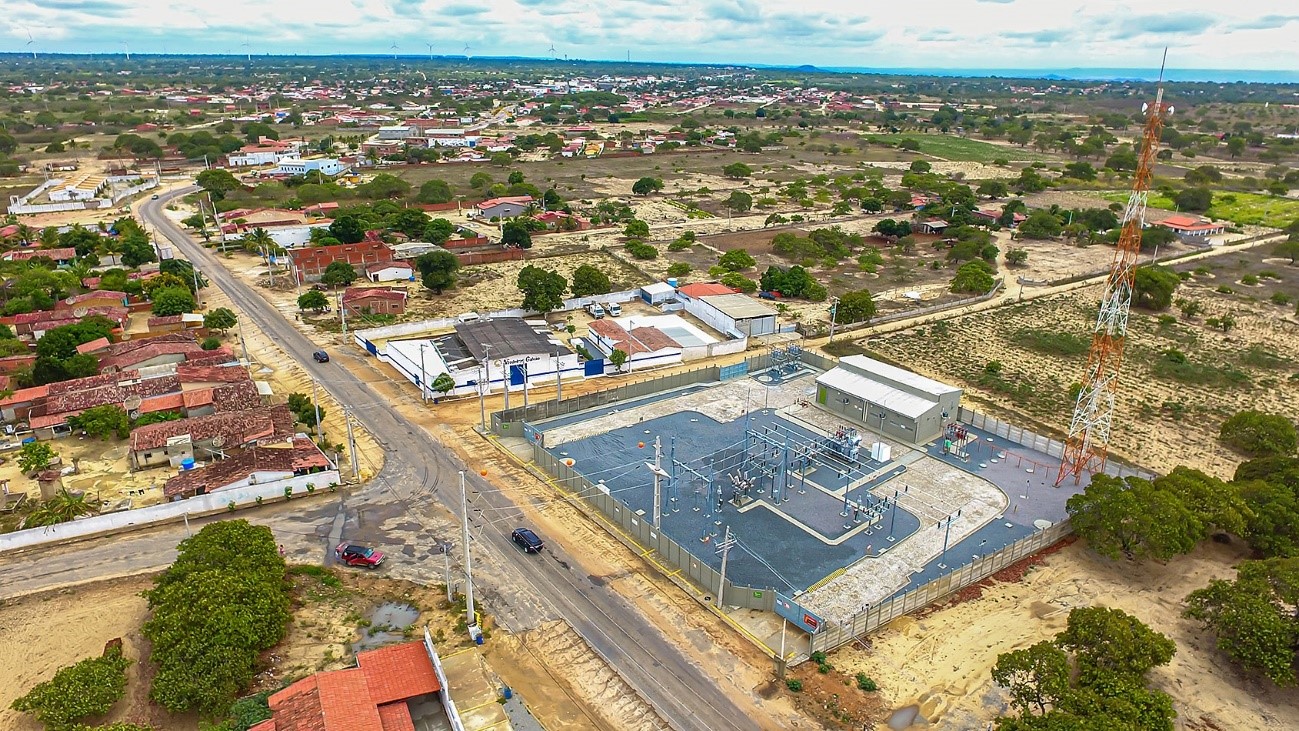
1249	280
88	688
641	250
679	269
794	684
210	343
866	684
1050	341
1258	434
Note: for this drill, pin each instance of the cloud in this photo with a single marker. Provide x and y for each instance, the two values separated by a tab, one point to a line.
1045	36
1170	24
1266	22
999	2
455	9
739	11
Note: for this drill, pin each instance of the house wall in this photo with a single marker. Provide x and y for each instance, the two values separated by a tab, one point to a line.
854	409
711	316
391	274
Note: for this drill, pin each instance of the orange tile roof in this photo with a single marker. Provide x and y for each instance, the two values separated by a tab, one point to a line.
397	672
705	289
345	702
24	395
396	717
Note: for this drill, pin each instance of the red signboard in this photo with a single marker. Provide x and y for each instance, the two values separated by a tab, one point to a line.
811	621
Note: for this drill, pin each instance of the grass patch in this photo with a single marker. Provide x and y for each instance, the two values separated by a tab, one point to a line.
1260	357
1173	365
960	149
320	573
1049	342
1239	208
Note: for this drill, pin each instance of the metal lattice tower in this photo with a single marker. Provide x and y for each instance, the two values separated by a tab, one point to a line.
1093	414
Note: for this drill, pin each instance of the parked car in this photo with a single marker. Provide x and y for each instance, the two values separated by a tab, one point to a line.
595	310
320	356
154	197
354	555
615	309
527	540
769	295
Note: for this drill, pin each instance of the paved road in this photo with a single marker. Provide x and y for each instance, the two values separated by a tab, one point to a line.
418	474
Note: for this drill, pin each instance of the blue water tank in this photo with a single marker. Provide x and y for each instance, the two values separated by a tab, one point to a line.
507	692
672	282
187	463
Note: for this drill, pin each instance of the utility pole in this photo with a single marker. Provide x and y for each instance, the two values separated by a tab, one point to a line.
725	548
342	313
834	312
464	536
658	470
315	403
243	344
423	374
559	377
351	443
482	407
525	384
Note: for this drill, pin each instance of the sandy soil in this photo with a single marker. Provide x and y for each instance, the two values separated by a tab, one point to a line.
942	660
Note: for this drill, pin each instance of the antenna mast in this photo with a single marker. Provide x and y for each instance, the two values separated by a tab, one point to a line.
1089	430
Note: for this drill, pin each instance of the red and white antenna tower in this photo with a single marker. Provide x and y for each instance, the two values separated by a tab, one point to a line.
1093	414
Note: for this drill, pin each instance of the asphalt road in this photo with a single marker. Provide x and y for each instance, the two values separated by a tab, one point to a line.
418	471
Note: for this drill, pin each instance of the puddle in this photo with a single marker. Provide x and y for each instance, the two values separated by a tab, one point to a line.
905	718
386	624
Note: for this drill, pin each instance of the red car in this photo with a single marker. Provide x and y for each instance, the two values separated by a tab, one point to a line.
354	555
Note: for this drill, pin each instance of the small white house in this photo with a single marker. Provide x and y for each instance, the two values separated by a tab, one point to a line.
391	271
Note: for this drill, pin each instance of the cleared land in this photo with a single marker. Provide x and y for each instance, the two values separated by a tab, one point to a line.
951	147
1244	209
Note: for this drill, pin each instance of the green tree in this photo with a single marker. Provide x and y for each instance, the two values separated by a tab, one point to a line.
515	234
1218	504
543	289
173	301
480	181
443	384
735	280
221	319
313	300
89	688
737	260
435	191
973	277
1037	678
1235	146
136	250
338	274
1132	517
618	358
347	229
1253	617
1289	249
410	221
993	189
739	201
157	417
737	171
855	306
218	182
214	611
636	229
1259	434
588	280
184	271
1194	199
437	270
647	185
1112	642
62	508
1016	257
1153	287
383	186
35	456
1040	224
102	422
438	231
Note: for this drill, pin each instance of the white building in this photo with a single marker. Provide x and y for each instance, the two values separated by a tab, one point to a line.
886	398
259	157
327	166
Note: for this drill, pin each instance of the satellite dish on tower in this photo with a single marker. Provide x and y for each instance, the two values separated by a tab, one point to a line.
81	312
133	403
70	300
218	441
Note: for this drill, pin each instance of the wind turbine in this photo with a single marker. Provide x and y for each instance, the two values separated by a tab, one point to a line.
127	46
552	51
247	50
430	51
31	42
393	48
466	51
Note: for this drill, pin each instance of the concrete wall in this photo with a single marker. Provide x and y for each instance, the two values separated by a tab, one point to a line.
167	512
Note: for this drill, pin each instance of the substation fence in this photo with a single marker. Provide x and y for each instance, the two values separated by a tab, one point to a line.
1031	439
638	533
834	635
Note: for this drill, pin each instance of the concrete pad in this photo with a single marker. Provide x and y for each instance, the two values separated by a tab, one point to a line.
475	691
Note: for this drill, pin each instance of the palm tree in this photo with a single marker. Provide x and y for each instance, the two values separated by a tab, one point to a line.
257	240
63	507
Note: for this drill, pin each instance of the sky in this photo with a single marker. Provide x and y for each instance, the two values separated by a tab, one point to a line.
952	34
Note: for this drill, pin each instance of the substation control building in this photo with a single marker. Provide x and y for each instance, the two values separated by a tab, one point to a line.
888	399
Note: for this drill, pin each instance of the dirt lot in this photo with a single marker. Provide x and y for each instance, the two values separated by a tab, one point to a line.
941	661
1169	413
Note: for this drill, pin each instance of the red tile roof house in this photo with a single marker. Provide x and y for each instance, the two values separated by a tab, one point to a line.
103	298
391	689
255	465
310	263
1193	227
506	207
208	437
61	256
172	348
374	301
37	324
